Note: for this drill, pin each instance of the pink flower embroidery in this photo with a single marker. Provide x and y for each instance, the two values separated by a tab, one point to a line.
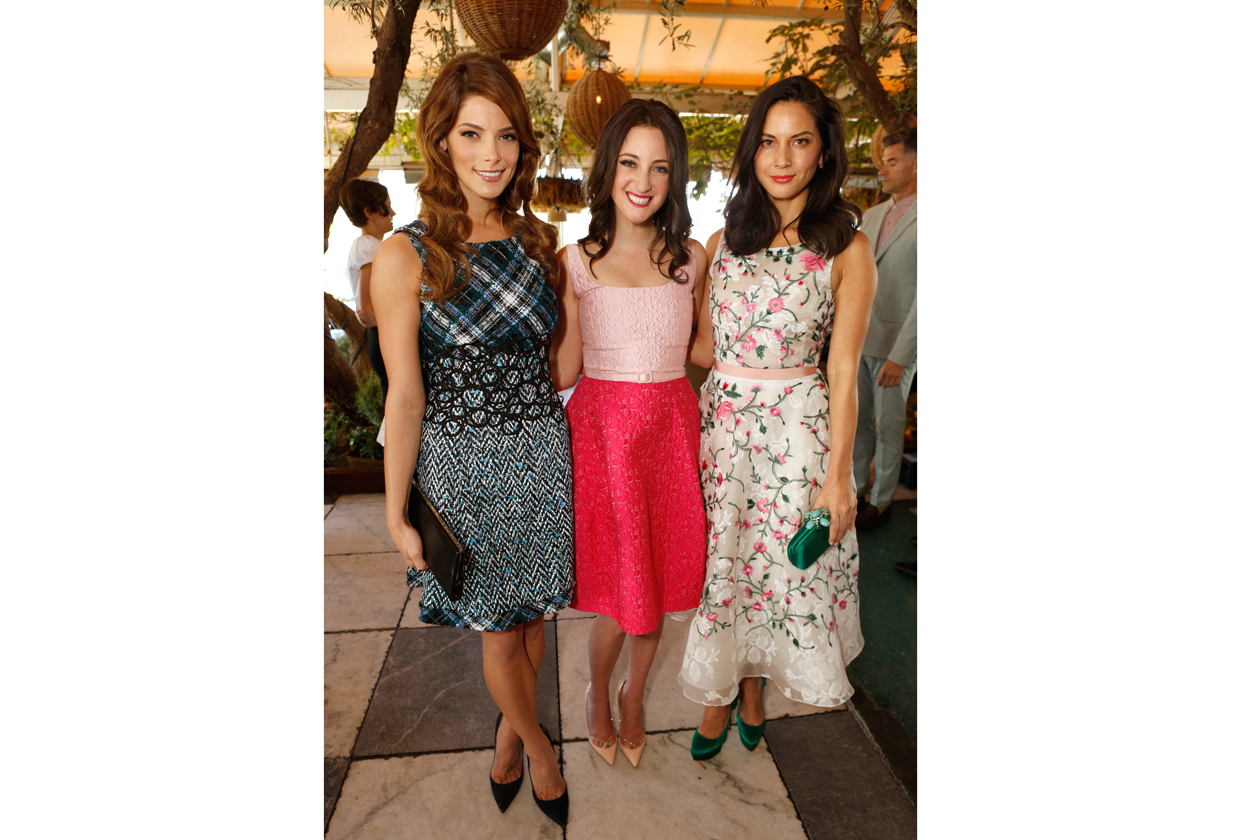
757	606
787	389
749	343
779	458
812	262
750	307
843	604
759	546
757	449
724	410
747	592
778	535
775	304
747	570
762	504
711	617
774	411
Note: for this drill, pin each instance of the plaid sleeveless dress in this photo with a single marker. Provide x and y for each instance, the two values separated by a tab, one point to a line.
494	455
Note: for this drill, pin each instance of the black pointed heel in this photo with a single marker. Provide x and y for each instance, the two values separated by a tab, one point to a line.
556	810
503	793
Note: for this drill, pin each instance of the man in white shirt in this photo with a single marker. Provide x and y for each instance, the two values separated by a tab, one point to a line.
367	206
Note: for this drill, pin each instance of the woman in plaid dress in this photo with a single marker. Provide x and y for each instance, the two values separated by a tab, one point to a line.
472	410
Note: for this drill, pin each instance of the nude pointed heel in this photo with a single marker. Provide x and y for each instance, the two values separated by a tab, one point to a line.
632	751
607	749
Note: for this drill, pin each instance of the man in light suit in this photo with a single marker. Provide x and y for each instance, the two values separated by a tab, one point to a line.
888	356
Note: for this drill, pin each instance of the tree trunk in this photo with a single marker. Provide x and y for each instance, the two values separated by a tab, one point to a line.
343	318
376	121
340	385
864	76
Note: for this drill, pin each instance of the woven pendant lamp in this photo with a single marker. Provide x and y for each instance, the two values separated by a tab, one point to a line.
592	101
511	29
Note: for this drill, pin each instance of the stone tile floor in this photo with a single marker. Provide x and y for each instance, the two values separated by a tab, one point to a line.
407	732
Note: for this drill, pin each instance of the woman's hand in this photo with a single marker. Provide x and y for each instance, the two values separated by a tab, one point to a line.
840	502
407	540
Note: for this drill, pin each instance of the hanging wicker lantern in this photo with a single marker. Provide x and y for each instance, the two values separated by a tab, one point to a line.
512	29
592	101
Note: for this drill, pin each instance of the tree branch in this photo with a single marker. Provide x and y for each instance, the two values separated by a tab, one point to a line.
376	121
865	77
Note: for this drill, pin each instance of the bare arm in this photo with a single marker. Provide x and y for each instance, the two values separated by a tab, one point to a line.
397	291
853	280
701	353
367	314
566	342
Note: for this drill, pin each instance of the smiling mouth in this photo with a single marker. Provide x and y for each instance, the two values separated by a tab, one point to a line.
781	179
639	200
491	175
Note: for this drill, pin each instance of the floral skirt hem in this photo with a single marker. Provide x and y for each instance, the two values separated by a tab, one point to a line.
713	697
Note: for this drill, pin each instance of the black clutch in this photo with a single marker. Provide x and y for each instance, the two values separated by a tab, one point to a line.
446	556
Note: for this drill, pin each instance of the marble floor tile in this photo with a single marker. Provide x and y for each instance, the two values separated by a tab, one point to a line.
666	707
430	797
363	591
569	612
334	775
669	796
362	499
352	662
840	785
356	529
432	695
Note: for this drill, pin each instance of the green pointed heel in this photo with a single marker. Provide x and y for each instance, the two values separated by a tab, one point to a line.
703	748
749	735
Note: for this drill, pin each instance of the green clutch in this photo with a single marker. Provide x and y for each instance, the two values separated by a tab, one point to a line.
809	543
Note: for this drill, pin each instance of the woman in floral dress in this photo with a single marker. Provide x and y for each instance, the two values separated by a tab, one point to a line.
791	280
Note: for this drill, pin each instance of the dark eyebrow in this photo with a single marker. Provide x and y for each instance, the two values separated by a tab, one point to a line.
629	154
805	133
470	125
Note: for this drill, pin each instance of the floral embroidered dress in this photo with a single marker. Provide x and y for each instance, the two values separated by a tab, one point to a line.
764	449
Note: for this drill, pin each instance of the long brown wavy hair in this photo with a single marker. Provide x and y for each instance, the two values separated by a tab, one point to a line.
828	223
443	206
673	220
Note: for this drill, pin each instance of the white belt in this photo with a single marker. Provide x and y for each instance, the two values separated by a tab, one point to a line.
637	376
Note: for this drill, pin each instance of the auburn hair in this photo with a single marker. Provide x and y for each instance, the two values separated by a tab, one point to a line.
673	220
828	223
443	207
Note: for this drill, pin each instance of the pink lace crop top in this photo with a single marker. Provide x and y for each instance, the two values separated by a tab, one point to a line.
771	309
633	334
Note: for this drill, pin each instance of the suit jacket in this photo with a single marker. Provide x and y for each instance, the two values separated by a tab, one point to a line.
893	332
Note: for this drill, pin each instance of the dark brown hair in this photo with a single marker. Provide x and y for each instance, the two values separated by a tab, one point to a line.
908	140
358	195
443	206
828	222
673	220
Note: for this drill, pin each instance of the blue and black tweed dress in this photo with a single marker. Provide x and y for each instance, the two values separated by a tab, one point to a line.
494	454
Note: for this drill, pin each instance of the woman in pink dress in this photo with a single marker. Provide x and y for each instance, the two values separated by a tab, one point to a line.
638	511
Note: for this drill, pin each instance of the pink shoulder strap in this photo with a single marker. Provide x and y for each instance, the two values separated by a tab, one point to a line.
577	272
